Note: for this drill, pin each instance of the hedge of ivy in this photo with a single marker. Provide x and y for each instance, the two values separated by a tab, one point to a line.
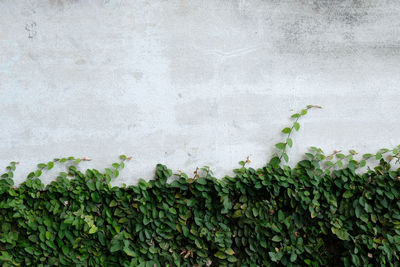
266	217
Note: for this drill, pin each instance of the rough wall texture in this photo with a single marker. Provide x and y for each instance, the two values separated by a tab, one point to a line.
194	83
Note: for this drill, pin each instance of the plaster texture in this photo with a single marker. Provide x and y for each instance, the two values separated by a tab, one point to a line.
194	83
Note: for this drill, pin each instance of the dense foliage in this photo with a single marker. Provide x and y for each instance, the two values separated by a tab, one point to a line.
321	212
265	217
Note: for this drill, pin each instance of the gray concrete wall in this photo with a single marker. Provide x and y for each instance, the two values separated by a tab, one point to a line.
194	83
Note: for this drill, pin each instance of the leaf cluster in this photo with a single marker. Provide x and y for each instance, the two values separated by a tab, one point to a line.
271	216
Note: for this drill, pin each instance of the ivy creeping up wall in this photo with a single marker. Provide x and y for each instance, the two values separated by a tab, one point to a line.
328	210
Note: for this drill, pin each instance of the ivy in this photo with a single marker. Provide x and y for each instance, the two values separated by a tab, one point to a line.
326	210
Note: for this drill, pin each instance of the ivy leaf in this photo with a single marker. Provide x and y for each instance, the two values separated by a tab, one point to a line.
285	157
115	165
296	125
91	186
50	165
293	257
289	141
237	214
115	246
275	256
93	229
348	194
296	115
281	215
286	130
202	181
340	156
220	255
329	163
280	146
38	173
363	163
95	197
229	251
48	235
41	165
340	233
274	162
367	156
277	238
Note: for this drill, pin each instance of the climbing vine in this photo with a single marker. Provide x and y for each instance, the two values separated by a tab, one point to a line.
332	210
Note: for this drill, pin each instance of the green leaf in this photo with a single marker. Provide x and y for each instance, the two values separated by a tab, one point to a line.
274	162
220	255
5	257
93	229
128	251
237	214
229	251
50	165
255	212
41	165
329	163
185	230
296	115
340	156
303	112
277	238
115	246
285	157
296	125
363	163
232	259
115	165
95	197
340	233
280	146
91	186
286	130
202	181
289	141
348	194
367	156
281	215
293	257
65	250
48	235
352	152
275	256
69	220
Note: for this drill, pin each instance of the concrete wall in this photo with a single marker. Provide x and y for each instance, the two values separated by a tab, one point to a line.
194	83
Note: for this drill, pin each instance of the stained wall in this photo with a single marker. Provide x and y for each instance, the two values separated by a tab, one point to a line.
194	83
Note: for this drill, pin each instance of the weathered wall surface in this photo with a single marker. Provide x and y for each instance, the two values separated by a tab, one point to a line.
194	83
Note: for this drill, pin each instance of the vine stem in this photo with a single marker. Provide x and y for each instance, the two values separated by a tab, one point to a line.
288	136
294	126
